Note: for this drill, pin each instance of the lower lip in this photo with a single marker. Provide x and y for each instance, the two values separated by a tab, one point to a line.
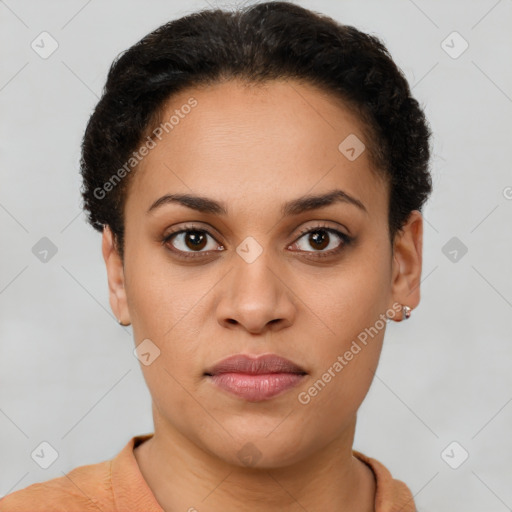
255	388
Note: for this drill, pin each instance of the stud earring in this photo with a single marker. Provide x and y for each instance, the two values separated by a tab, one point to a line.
406	312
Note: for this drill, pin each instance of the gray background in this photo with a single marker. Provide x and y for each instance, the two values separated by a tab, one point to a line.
68	375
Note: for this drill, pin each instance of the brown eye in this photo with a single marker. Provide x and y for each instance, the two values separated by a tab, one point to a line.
190	241
319	239
195	240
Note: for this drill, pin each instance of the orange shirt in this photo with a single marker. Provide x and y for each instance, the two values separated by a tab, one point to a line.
117	485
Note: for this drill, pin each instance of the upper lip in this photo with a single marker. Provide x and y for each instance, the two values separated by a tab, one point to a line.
255	365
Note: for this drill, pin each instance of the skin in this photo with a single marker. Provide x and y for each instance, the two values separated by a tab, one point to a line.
254	148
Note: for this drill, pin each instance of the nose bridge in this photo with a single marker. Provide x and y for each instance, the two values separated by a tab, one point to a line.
252	279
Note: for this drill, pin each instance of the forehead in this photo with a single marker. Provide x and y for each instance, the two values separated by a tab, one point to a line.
238	140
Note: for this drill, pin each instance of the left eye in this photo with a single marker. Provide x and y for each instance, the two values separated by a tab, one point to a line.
321	239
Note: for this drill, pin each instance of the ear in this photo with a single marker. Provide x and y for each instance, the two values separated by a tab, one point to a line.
115	274
407	263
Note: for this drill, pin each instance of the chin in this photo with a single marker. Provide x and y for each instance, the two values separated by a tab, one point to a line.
264	451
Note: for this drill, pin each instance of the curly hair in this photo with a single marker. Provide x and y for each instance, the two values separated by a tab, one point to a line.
256	44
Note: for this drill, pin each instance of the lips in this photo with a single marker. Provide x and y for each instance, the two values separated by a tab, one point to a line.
255	378
269	363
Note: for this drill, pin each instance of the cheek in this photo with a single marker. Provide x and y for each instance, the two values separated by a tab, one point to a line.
353	306
342	380
163	304
352	298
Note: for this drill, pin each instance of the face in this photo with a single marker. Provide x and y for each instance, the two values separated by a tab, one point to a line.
260	267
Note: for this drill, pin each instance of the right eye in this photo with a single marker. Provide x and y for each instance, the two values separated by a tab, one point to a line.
191	240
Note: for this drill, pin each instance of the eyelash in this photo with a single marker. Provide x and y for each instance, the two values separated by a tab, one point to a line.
346	240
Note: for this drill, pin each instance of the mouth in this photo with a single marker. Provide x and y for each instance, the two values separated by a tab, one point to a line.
253	378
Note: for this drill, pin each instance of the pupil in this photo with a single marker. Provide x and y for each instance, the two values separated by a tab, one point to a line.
197	240
318	238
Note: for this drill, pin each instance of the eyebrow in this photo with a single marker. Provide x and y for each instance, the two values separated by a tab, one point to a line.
293	207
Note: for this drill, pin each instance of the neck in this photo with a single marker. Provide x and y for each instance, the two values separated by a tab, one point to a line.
182	476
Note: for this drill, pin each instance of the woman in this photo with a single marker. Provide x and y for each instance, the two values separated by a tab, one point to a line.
258	179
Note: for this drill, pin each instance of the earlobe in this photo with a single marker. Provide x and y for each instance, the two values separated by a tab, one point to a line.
115	275
407	264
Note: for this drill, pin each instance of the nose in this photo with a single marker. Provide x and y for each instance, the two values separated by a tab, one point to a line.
255	297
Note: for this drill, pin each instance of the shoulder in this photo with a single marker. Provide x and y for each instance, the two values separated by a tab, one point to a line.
85	488
390	493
